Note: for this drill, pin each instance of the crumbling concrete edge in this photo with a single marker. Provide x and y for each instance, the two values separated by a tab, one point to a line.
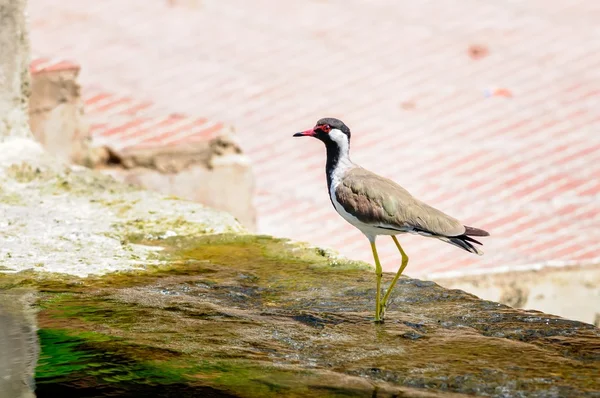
69	219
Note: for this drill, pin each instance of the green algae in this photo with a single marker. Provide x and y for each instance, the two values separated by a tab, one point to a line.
61	356
252	315
145	230
100	363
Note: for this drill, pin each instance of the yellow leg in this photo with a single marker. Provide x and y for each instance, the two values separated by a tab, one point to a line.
402	266
379	273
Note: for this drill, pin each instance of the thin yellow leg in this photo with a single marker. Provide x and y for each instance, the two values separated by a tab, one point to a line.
379	273
402	266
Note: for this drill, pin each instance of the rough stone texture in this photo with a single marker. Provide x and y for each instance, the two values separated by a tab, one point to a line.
58	218
572	292
258	317
14	69
212	172
56	112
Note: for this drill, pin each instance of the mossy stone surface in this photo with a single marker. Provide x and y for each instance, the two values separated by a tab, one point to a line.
248	316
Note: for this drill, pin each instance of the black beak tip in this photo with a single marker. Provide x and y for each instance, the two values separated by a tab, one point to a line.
298	135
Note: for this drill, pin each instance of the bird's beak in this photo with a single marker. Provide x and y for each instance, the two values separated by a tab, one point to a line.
308	133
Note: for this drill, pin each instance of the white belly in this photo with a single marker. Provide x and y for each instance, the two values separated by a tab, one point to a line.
369	230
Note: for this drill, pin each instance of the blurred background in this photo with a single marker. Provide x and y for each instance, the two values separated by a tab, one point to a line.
487	110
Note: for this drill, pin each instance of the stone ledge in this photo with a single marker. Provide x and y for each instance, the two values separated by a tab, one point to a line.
250	316
545	289
69	219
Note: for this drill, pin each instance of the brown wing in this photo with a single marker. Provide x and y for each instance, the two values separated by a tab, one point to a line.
379	201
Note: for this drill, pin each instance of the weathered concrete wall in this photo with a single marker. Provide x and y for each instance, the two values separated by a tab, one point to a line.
14	69
56	114
18	344
571	292
214	172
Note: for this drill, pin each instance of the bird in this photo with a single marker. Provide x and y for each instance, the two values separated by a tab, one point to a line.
376	205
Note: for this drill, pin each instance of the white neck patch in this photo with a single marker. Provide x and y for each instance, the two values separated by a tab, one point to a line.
341	140
343	165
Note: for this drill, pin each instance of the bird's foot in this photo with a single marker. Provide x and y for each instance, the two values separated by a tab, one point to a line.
379	315
382	307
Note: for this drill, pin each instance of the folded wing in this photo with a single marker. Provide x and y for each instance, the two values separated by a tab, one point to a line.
383	203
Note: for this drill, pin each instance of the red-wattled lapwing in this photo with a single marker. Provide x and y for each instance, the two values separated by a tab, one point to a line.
378	206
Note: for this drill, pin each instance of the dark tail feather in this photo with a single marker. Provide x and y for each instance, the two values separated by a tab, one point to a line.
469	239
464	242
461	242
470	231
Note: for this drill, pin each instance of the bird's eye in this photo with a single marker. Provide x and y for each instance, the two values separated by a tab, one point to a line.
326	128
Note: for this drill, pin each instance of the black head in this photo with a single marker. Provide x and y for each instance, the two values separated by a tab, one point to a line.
327	130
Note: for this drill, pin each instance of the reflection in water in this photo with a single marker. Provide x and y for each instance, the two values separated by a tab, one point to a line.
70	366
18	344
